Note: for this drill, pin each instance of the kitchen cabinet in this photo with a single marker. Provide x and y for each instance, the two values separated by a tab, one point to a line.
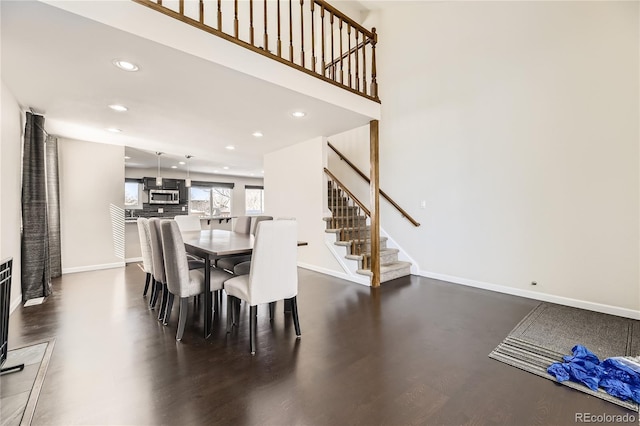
150	183
184	193
170	184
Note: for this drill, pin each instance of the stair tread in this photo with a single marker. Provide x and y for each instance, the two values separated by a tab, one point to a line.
364	240
400	264
330	218
383	251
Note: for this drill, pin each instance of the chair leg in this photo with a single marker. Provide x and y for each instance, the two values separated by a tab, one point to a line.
146	284
216	304
272	310
163	303
167	312
182	319
253	323
236	318
157	287
230	309
294	313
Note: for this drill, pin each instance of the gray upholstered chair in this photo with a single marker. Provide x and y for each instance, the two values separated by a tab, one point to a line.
240	265
273	276
241	225
145	248
157	256
181	281
188	223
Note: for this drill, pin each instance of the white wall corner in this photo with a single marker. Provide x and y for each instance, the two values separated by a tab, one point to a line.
15	303
348	266
402	254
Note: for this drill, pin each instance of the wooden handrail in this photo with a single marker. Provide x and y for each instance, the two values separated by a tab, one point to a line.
347	54
345	18
358	75
366	178
344	188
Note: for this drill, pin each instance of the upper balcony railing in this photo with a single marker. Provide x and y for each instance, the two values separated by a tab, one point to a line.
309	35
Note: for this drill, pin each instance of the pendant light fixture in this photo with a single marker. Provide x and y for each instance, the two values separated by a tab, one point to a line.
187	181
158	177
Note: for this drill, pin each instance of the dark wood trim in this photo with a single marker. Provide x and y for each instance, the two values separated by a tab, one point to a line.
366	178
375	202
349	193
336	12
349	53
217	32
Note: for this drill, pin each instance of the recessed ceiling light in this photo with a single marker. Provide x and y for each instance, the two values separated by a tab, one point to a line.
125	65
174	167
226	167
126	157
231	147
182	163
119	108
257	134
114	130
298	114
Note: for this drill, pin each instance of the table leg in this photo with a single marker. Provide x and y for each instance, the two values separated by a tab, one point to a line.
207	297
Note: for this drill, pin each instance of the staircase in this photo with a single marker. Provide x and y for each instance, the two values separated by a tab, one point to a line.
349	222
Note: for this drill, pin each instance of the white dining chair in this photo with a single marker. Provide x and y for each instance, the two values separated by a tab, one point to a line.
241	225
145	248
240	265
273	275
182	281
243	268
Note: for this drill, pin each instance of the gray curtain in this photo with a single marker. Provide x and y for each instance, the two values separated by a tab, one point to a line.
53	205
36	275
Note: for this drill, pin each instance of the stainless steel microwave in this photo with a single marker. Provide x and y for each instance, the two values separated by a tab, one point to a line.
164	196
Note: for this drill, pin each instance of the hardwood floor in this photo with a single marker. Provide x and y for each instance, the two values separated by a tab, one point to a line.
411	352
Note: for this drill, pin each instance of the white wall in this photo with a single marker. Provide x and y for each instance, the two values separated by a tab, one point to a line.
517	123
91	184
10	187
294	177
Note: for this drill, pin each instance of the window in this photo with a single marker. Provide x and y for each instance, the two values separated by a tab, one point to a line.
210	198
254	199
132	194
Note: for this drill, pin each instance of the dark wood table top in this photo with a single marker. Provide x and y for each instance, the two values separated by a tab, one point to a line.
220	242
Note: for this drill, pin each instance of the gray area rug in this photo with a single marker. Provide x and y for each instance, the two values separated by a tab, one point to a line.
550	331
20	390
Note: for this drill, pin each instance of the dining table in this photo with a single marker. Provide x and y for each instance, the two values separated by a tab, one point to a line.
213	244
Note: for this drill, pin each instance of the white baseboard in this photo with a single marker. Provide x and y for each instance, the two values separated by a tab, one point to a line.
133	260
92	268
341	275
567	301
15	303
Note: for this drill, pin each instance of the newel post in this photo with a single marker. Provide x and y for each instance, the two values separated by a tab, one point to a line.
375	202
374	71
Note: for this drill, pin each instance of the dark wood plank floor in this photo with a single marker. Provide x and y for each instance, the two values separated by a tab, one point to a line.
412	352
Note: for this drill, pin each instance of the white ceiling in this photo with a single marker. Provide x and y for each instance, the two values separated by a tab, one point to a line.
60	64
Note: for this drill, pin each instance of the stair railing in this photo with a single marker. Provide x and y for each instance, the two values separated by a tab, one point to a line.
318	39
366	178
350	215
